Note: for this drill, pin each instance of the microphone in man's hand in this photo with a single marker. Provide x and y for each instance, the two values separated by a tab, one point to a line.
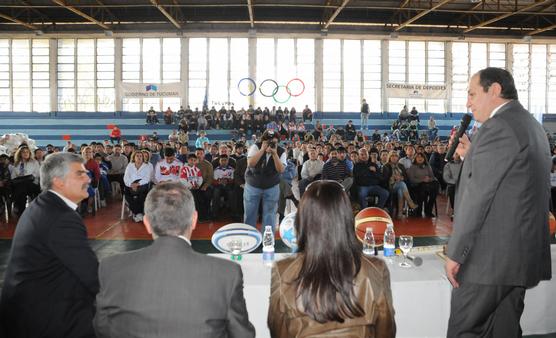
465	120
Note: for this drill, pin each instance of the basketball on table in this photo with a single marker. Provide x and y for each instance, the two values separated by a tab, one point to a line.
375	218
551	223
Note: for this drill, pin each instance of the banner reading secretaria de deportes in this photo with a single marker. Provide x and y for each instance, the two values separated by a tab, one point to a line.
151	89
416	91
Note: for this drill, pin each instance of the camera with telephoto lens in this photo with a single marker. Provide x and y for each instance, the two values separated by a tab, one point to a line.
269	136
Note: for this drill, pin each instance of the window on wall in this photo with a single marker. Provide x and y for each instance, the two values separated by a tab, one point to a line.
266	69
306	72
5	97
460	76
520	72
416	70
372	74
151	61
171	69
131	70
436	74
435	63
218	73
239	69
416	57
551	80
332	75
105	75
497	55
396	61
537	104
21	75
86	75
197	71
171	60
66	75
478	57
285	70
396	71
41	75
352	75
282	62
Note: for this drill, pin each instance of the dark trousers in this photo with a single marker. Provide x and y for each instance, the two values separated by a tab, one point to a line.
204	199
451	190
21	191
553	197
237	203
486	311
4	198
424	193
136	199
220	191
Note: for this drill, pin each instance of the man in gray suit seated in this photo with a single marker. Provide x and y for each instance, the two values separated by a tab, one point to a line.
168	289
500	243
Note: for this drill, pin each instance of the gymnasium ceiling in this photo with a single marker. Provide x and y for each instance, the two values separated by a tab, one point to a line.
455	18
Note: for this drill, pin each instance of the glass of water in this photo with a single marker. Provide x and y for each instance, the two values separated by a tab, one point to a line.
406	243
235	246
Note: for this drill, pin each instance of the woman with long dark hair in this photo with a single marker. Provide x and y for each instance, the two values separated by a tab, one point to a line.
329	287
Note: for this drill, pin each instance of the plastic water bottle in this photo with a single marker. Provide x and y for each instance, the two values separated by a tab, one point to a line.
268	246
389	241
369	242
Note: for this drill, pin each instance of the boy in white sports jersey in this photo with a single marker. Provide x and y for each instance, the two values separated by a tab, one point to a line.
190	174
168	169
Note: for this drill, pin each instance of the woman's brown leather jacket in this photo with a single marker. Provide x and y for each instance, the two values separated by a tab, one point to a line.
372	290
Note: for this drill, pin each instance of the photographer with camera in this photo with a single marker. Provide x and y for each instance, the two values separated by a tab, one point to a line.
265	162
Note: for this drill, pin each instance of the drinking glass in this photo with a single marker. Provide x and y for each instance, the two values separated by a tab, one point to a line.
235	246
406	243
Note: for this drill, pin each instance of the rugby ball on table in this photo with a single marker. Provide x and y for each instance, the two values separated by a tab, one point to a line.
287	231
250	237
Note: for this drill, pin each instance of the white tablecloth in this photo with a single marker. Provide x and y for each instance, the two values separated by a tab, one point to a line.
421	298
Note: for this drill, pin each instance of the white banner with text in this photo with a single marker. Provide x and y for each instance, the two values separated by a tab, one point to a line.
142	90
416	91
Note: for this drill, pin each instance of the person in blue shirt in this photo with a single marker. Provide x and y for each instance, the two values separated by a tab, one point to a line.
200	142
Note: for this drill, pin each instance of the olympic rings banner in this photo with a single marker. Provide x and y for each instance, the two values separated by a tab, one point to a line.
416	91
151	89
281	93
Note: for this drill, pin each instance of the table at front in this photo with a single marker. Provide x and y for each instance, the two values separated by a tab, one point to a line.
421	298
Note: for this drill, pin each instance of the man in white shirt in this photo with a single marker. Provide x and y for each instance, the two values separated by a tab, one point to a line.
311	170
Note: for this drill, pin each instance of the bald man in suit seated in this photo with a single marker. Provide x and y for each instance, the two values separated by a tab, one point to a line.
167	289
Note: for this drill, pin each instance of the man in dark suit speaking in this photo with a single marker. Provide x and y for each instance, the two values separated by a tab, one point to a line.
167	289
500	243
51	279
